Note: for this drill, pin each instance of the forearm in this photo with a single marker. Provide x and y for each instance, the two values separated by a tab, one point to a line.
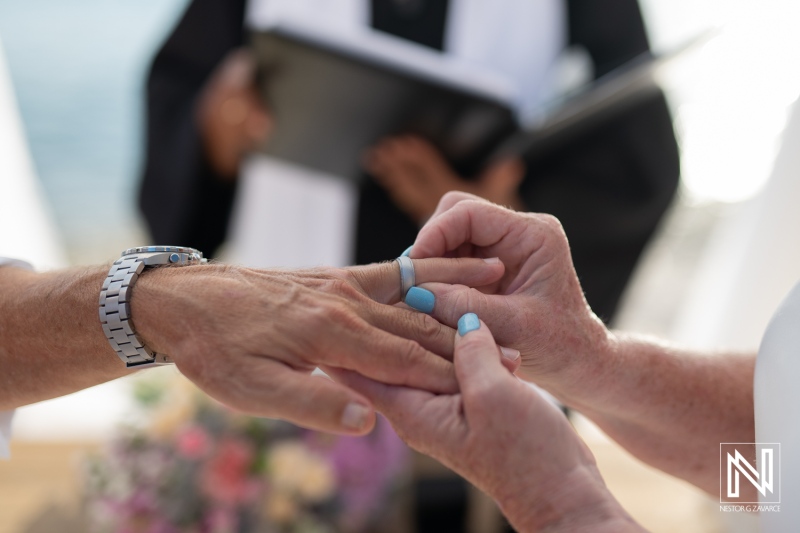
669	407
51	342
576	502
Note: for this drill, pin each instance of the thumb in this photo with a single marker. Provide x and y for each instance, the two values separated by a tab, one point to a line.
481	376
450	199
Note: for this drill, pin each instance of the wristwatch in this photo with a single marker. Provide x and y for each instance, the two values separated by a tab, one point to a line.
115	307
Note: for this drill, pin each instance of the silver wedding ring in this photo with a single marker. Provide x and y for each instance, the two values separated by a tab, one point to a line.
407	277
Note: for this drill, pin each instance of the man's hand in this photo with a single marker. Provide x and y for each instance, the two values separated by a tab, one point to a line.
416	176
537	306
232	118
506	439
251	338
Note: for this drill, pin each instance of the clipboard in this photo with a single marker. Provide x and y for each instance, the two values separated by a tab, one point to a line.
333	96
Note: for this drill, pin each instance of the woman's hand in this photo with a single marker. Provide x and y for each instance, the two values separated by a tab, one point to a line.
416	176
251	338
505	438
232	118
537	307
669	407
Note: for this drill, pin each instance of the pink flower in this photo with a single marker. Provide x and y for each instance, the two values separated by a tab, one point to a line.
193	442
365	468
225	479
222	520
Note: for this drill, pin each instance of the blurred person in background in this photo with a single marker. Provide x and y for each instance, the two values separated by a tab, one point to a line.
610	185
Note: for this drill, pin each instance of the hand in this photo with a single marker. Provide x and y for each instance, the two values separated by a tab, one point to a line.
537	307
661	403
251	338
506	439
232	118
416	176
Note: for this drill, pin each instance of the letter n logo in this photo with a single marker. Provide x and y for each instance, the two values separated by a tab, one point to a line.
746	465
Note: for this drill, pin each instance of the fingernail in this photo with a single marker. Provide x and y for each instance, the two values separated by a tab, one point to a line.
407	253
420	299
510	353
467	323
492	260
355	416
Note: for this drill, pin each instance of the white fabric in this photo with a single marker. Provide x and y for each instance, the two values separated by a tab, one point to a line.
290	216
519	40
771	262
7	261
752	260
341	15
27	228
6	416
777	411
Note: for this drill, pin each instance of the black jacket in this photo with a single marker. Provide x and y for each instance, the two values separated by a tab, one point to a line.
609	187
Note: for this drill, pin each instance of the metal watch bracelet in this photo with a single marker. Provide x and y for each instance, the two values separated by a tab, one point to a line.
115	295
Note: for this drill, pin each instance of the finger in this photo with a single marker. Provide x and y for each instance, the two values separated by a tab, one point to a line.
391	400
259	121
452	301
272	389
475	222
481	375
378	159
238	68
450	199
381	282
423	152
409	324
429	423
436	336
511	358
389	359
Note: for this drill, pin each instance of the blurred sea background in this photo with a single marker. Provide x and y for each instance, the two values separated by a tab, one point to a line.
78	68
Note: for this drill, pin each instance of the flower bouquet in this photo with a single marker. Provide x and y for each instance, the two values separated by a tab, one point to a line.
198	467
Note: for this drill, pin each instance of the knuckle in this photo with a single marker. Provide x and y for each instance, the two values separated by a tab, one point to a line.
469	300
344	286
412	353
427	326
365	276
342	316
454	197
315	313
551	223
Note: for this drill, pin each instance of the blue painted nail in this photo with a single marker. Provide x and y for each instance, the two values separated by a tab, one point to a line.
408	251
420	299
467	323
